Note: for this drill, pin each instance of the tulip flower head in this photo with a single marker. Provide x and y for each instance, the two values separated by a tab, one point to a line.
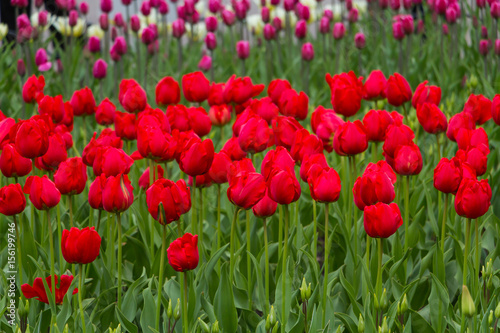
37	290
183	253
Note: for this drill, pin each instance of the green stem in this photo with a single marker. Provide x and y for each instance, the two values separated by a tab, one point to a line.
315	232
118	215
160	278
443	226
266	251
249	266
151	220
325	279
200	221
19	251
379	269
478	257
284	271
59	234
52	264
352	161
368	243
194	226
466	257
438	147
184	305
219	231
80	292
70	207
231	246
407	211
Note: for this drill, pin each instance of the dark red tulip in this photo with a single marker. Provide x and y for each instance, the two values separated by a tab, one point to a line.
284	129
105	113
350	138
83	102
151	141
125	125
382	166
246	189
458	121
398	90
38	290
52	107
71	176
197	158
178	117
305	144
233	149
117	194
132	96
308	162
167	193
376	123
426	94
183	253
324	184
167	92
238	90
12	200
32	138
408	160
495	109
382	220
12	164
471	138
265	108
55	154
284	188
476	157
431	118
111	161
220	167
241	166
216	94
473	198
199	121
265	207
254	135
373	187
325	123
80	246
479	107
95	192
43	193
33	89
448	174
293	104
374	87
195	87
279	157
397	135
347	92
276	88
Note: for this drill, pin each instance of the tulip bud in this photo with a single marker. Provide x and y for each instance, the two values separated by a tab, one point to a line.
385	327
177	310
104	22
211	41
66	328
383	300
21	67
497	47
404	305
307	52
215	327
100	69
497	311
268	323
445	29
73	18
398	31
205	63
169	309
178	28
360	40
484	32
338	330
301	29
484	47
23	308
324	25
489	268
272	317
489	282
42	18
361	324
269	32
277	24
468	307
376	304
211	23
243	49
203	325
275	328
490	318
353	15
84	8
495	10
338	30
135	23
264	13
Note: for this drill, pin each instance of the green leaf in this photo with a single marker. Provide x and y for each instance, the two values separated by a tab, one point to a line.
130	327
224	307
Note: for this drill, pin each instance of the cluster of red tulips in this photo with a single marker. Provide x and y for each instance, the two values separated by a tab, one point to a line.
40	148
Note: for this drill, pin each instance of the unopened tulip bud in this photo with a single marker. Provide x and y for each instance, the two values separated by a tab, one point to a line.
42	18
307	52
361	324
277	24
490	318
203	325
21	67
205	63
481	3
420	26
272	316
215	327
178	28
84	8
451	15
497	311
385	327
360	40
211	23
23	308
468	307
303	290
489	282
177	310
114	33
376	303
404	305
484	47
445	29
211	41
269	32
228	17
338	330
383	300
100	69
407	4
264	13
398	31
268	323
94	44
135	23
301	29
353	15
495	10
324	25
484	32
289	5
275	328
163	8
73	18
66	328
243	49
338	30
169	309
104	22
39	3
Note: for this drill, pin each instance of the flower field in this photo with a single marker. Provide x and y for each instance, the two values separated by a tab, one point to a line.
277	166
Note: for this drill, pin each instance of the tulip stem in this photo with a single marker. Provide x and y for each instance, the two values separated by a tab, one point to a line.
194	226
151	220
219	232
280	231
70	208
466	257
379	269
284	270
200	220
368	243
59	234
118	215
98	220
478	257
249	264
80	292
352	161
19	251
52	264
438	147
184	305
407	211
160	278
443	226
266	267
231	245
315	232
325	273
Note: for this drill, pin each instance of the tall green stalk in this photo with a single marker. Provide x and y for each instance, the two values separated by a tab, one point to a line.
443	226
160	278
249	264
466	257
231	246
80	292
151	220
119	291
284	272
184	304
407	211
52	263
315	232
266	268
379	268
280	231
325	279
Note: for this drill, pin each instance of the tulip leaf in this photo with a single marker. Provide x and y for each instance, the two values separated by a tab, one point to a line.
130	327
224	308
148	314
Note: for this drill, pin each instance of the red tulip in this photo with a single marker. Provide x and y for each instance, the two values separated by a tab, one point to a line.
373	187
283	186
408	160
55	154
83	102
398	90
347	92
376	123
95	192
476	157
309	161
151	141
495	109
276	88
479	107
80	246
284	129
324	184
382	220
111	161
178	117
254	135
382	166
199	121
166	193
216	94
293	104
265	108
265	207
12	200
167	92
33	89
431	118
117	194
305	144
125	125
325	123
32	138
246	188
43	193
53	107
220	115
473	198
38	290
279	157
233	149
374	87
426	94
144	179
197	158
448	174
350	138
458	121
220	167
12	164
471	138
105	113
132	96
195	87
183	253
71	176
106	138
240	90
397	135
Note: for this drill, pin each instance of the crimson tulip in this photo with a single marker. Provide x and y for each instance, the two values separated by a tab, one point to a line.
12	164
350	138
132	96
197	158
347	92
144	179
431	118
105	113
471	138
324	184
479	107
52	107
426	94
458	121
12	200
284	129
167	92
374	87
183	253
83	102
276	88
246	188
408	160
283	186
43	193
473	198
305	144
265	207
71	176
32	138
239	90
220	167
382	220
125	125
111	161
254	135
376	123
398	90
195	87
80	246
38	290
476	157
167	193
373	187
324	123
279	157
220	115
55	154
117	194
293	104
449	173
396	135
